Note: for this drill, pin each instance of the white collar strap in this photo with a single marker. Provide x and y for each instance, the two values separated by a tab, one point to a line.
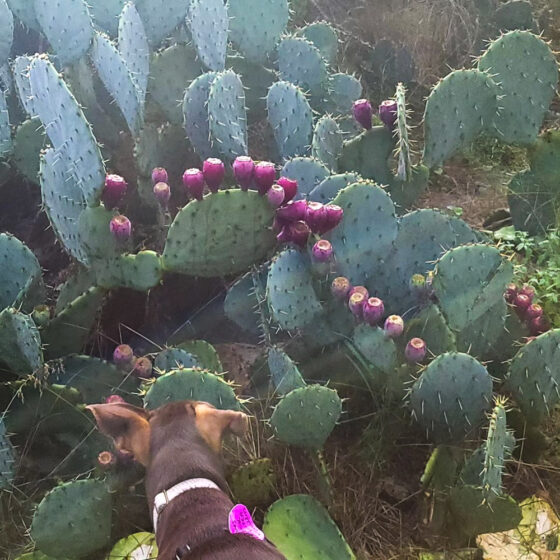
163	498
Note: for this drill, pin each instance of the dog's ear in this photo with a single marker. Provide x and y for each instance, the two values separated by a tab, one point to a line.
213	424
128	426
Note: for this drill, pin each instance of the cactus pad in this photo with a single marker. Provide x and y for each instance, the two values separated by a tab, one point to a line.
6	31
291	298
284	372
74	519
327	142
376	347
23	86
430	325
343	90
209	25
308	172
175	358
253	484
240	305
139	545
191	384
451	397
141	272
204	353
523	105
24	10
515	14
20	342
7	459
324	37
329	188
5	130
28	143
222	234
301	528
404	168
160	17
105	15
291	119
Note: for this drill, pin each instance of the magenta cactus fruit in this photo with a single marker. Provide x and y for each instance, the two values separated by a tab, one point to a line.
539	325
363	113
415	351
123	355
322	251
106	461
159	175
214	172
316	217
356	304
265	175
534	311
162	192
388	113
374	309
193	180
340	288
394	326
243	170
114	191
361	290
114	399
121	228
334	216
295	232
292	212
290	187
511	293
275	196
522	303
528	291
142	368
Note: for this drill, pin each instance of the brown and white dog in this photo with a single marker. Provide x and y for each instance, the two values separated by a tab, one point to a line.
180	446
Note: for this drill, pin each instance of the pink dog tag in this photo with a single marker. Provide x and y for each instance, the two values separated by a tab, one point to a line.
240	521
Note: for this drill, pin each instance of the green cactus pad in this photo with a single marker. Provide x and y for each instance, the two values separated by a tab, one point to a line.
405	194
7	459
175	358
95	233
23	86
284	372
172	71
68	331
367	154
24	10
365	237
324	37
70	36
6	143
451	397
306	416
515	14
376	347
160	17
195	112
301	63
308	172
140	546
329	188
227	115
105	15
430	325
209	25
327	142
343	90
223	234
291	298
404	168
29	140
141	272
523	105
20	342
251	38
67	128
291	119
302	529
544	157
22	282
6	31
460	107
204	353
253	484
191	384
74	519
117	79
76	284
241	305
95	379
534	376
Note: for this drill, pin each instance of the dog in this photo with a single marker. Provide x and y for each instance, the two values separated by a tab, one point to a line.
179	444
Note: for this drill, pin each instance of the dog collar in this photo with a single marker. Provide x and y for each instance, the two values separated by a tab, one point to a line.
163	498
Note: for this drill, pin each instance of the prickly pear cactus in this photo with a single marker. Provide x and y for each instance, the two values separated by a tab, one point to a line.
327	142
329	188
6	143
29	141
451	397
253	484
308	172
241	304
191	384
141	546
74	519
174	358
523	105
376	347
284	372
302	529
460	107
430	325
343	90
305	417
324	37
7	459
160	17
204	353
105	15
255	40
6	31
209	23
223	234
20	342
404	168
24	10
291	119
515	14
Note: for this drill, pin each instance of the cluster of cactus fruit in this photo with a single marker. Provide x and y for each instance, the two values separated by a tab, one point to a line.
320	234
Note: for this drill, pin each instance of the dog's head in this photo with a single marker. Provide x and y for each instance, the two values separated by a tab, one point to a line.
137	431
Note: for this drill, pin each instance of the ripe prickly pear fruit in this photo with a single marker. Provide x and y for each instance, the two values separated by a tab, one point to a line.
275	196
265	175
363	113
142	368
295	232
388	113
243	170
511	293
316	217
41	315
159	175
114	399
415	351
334	216
394	326
123	356
106	461
534	311
193	180
292	212
214	172
522	303
121	228
356	304
340	288
290	187
528	291
114	191
359	289
322	251
539	325
374	309
162	192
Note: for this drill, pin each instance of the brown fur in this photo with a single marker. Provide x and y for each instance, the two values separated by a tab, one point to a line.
176	442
